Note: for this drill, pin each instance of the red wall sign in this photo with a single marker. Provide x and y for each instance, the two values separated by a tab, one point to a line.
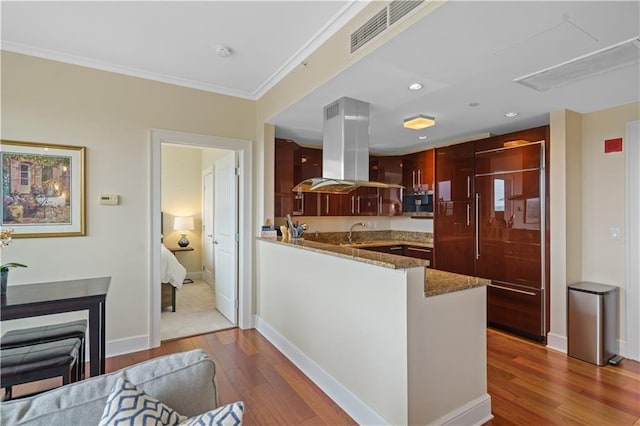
613	145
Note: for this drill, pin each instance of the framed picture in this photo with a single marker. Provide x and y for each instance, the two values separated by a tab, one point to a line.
43	189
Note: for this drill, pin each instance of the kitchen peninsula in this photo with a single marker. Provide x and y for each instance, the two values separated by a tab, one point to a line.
391	341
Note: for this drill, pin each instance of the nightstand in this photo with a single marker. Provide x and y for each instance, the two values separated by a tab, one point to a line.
177	249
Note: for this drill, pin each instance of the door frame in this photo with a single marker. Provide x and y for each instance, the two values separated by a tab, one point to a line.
245	207
632	285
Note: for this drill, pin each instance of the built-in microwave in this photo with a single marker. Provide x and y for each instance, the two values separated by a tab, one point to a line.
418	203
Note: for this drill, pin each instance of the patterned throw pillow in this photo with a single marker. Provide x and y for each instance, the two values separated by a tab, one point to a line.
129	405
227	415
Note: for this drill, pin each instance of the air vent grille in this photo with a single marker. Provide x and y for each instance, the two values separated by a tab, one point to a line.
399	8
592	64
332	111
388	16
369	30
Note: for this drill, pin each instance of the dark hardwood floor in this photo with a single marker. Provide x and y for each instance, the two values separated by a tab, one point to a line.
528	383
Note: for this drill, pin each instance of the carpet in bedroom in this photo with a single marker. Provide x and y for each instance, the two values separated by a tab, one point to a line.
195	313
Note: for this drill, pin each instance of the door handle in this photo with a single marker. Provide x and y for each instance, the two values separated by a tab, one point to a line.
477	226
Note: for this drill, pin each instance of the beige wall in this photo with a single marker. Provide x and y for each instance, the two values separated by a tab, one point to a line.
111	115
182	196
587	199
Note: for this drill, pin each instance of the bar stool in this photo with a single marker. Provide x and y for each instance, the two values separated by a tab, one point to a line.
41	361
49	333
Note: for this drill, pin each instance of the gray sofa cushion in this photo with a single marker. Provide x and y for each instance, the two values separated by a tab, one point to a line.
184	382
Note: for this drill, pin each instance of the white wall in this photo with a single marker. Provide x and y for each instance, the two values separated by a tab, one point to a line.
111	115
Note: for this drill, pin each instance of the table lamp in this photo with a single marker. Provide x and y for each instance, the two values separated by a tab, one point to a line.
183	224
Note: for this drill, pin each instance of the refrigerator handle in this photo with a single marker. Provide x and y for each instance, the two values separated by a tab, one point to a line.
477	226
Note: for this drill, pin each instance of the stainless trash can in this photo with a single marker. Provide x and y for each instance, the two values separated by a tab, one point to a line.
592	322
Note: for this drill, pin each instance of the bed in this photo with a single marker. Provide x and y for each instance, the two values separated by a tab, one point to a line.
172	276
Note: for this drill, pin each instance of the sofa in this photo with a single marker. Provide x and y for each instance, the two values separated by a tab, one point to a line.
183	381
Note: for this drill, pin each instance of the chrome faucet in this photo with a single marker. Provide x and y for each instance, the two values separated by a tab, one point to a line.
351	230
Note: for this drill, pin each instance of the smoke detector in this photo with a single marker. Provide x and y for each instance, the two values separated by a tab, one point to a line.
223	52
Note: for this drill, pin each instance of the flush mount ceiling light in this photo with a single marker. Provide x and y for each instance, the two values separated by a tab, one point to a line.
415	86
511	114
223	52
419	122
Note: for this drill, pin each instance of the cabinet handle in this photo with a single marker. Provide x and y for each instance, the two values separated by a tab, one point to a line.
528	293
380	205
395	248
302	203
419	178
468	214
413	179
419	249
327	210
477	226
358	209
353	205
468	186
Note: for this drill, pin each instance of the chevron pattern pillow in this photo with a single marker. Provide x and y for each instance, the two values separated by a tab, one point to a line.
129	405
227	415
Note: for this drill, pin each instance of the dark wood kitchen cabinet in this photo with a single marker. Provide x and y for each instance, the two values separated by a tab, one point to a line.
418	171
307	164
387	169
454	215
283	176
418	252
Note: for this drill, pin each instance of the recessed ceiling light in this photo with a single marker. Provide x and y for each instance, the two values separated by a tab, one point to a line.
419	122
422	137
223	52
511	114
415	86
474	104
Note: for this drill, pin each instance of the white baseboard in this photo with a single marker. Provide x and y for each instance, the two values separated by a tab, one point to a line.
128	345
557	342
476	412
342	396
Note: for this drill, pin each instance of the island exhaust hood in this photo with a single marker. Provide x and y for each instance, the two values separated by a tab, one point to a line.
345	150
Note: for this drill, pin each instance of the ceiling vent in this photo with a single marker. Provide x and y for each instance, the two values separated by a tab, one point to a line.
592	64
399	8
388	16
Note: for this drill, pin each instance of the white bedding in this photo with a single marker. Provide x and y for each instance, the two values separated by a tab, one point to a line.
172	271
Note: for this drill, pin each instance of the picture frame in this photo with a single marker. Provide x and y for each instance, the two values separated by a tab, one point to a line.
42	189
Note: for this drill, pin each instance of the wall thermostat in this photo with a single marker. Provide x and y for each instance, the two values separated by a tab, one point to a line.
109	199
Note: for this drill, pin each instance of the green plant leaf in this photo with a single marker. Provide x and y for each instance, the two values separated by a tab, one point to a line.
5	267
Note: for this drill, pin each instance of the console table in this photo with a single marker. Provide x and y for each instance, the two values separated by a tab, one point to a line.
33	300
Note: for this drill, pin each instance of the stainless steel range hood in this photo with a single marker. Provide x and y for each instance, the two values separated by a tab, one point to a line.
345	150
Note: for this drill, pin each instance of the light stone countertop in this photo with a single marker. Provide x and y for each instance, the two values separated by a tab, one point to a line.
436	282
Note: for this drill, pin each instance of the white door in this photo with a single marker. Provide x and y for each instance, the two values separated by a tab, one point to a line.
207	226
226	230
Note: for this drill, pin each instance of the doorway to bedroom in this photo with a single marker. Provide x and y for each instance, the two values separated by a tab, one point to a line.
198	213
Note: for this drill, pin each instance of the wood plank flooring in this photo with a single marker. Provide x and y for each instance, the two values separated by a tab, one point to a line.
528	383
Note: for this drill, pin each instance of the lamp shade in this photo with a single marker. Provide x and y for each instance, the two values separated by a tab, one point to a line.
183	223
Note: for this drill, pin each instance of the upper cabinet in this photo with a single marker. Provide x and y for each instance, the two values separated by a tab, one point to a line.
307	164
417	171
387	169
283	176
